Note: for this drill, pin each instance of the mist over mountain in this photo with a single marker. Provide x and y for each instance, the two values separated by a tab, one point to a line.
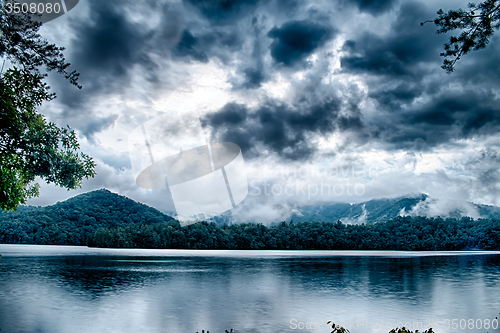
381	210
104	209
105	219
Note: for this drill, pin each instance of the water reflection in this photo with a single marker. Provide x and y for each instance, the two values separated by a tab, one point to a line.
182	291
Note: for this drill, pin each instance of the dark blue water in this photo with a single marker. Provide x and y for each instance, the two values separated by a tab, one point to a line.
77	289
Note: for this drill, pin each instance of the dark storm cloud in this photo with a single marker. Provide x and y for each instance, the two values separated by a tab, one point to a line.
96	125
223	11
110	43
279	128
189	47
290	7
481	67
108	46
200	47
447	117
400	52
254	72
374	7
104	49
253	77
418	105
295	40
231	114
228	39
402	94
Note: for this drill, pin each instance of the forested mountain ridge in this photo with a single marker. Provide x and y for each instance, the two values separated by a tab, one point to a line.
105	219
73	220
381	210
375	210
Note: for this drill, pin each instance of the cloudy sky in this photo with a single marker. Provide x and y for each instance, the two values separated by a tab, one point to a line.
330	101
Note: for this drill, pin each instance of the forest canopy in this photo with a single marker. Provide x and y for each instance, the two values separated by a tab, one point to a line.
104	219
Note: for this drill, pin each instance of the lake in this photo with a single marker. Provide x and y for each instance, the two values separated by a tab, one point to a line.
79	289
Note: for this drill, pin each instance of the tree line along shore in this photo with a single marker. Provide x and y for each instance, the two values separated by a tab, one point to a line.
401	233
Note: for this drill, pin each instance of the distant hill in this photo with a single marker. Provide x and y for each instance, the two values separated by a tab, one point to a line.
376	210
73	220
381	210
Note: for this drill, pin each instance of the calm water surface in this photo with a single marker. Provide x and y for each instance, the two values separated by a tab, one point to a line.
78	289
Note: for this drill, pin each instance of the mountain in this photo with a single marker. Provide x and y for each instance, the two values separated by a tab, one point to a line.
73	220
105	219
376	210
104	209
381	210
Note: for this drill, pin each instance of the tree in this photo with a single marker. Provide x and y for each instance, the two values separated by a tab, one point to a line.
477	24
30	146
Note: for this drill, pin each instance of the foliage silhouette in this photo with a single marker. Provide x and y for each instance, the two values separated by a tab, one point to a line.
30	146
477	23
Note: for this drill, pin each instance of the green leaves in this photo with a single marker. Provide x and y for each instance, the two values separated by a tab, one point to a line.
23	46
30	146
477	24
